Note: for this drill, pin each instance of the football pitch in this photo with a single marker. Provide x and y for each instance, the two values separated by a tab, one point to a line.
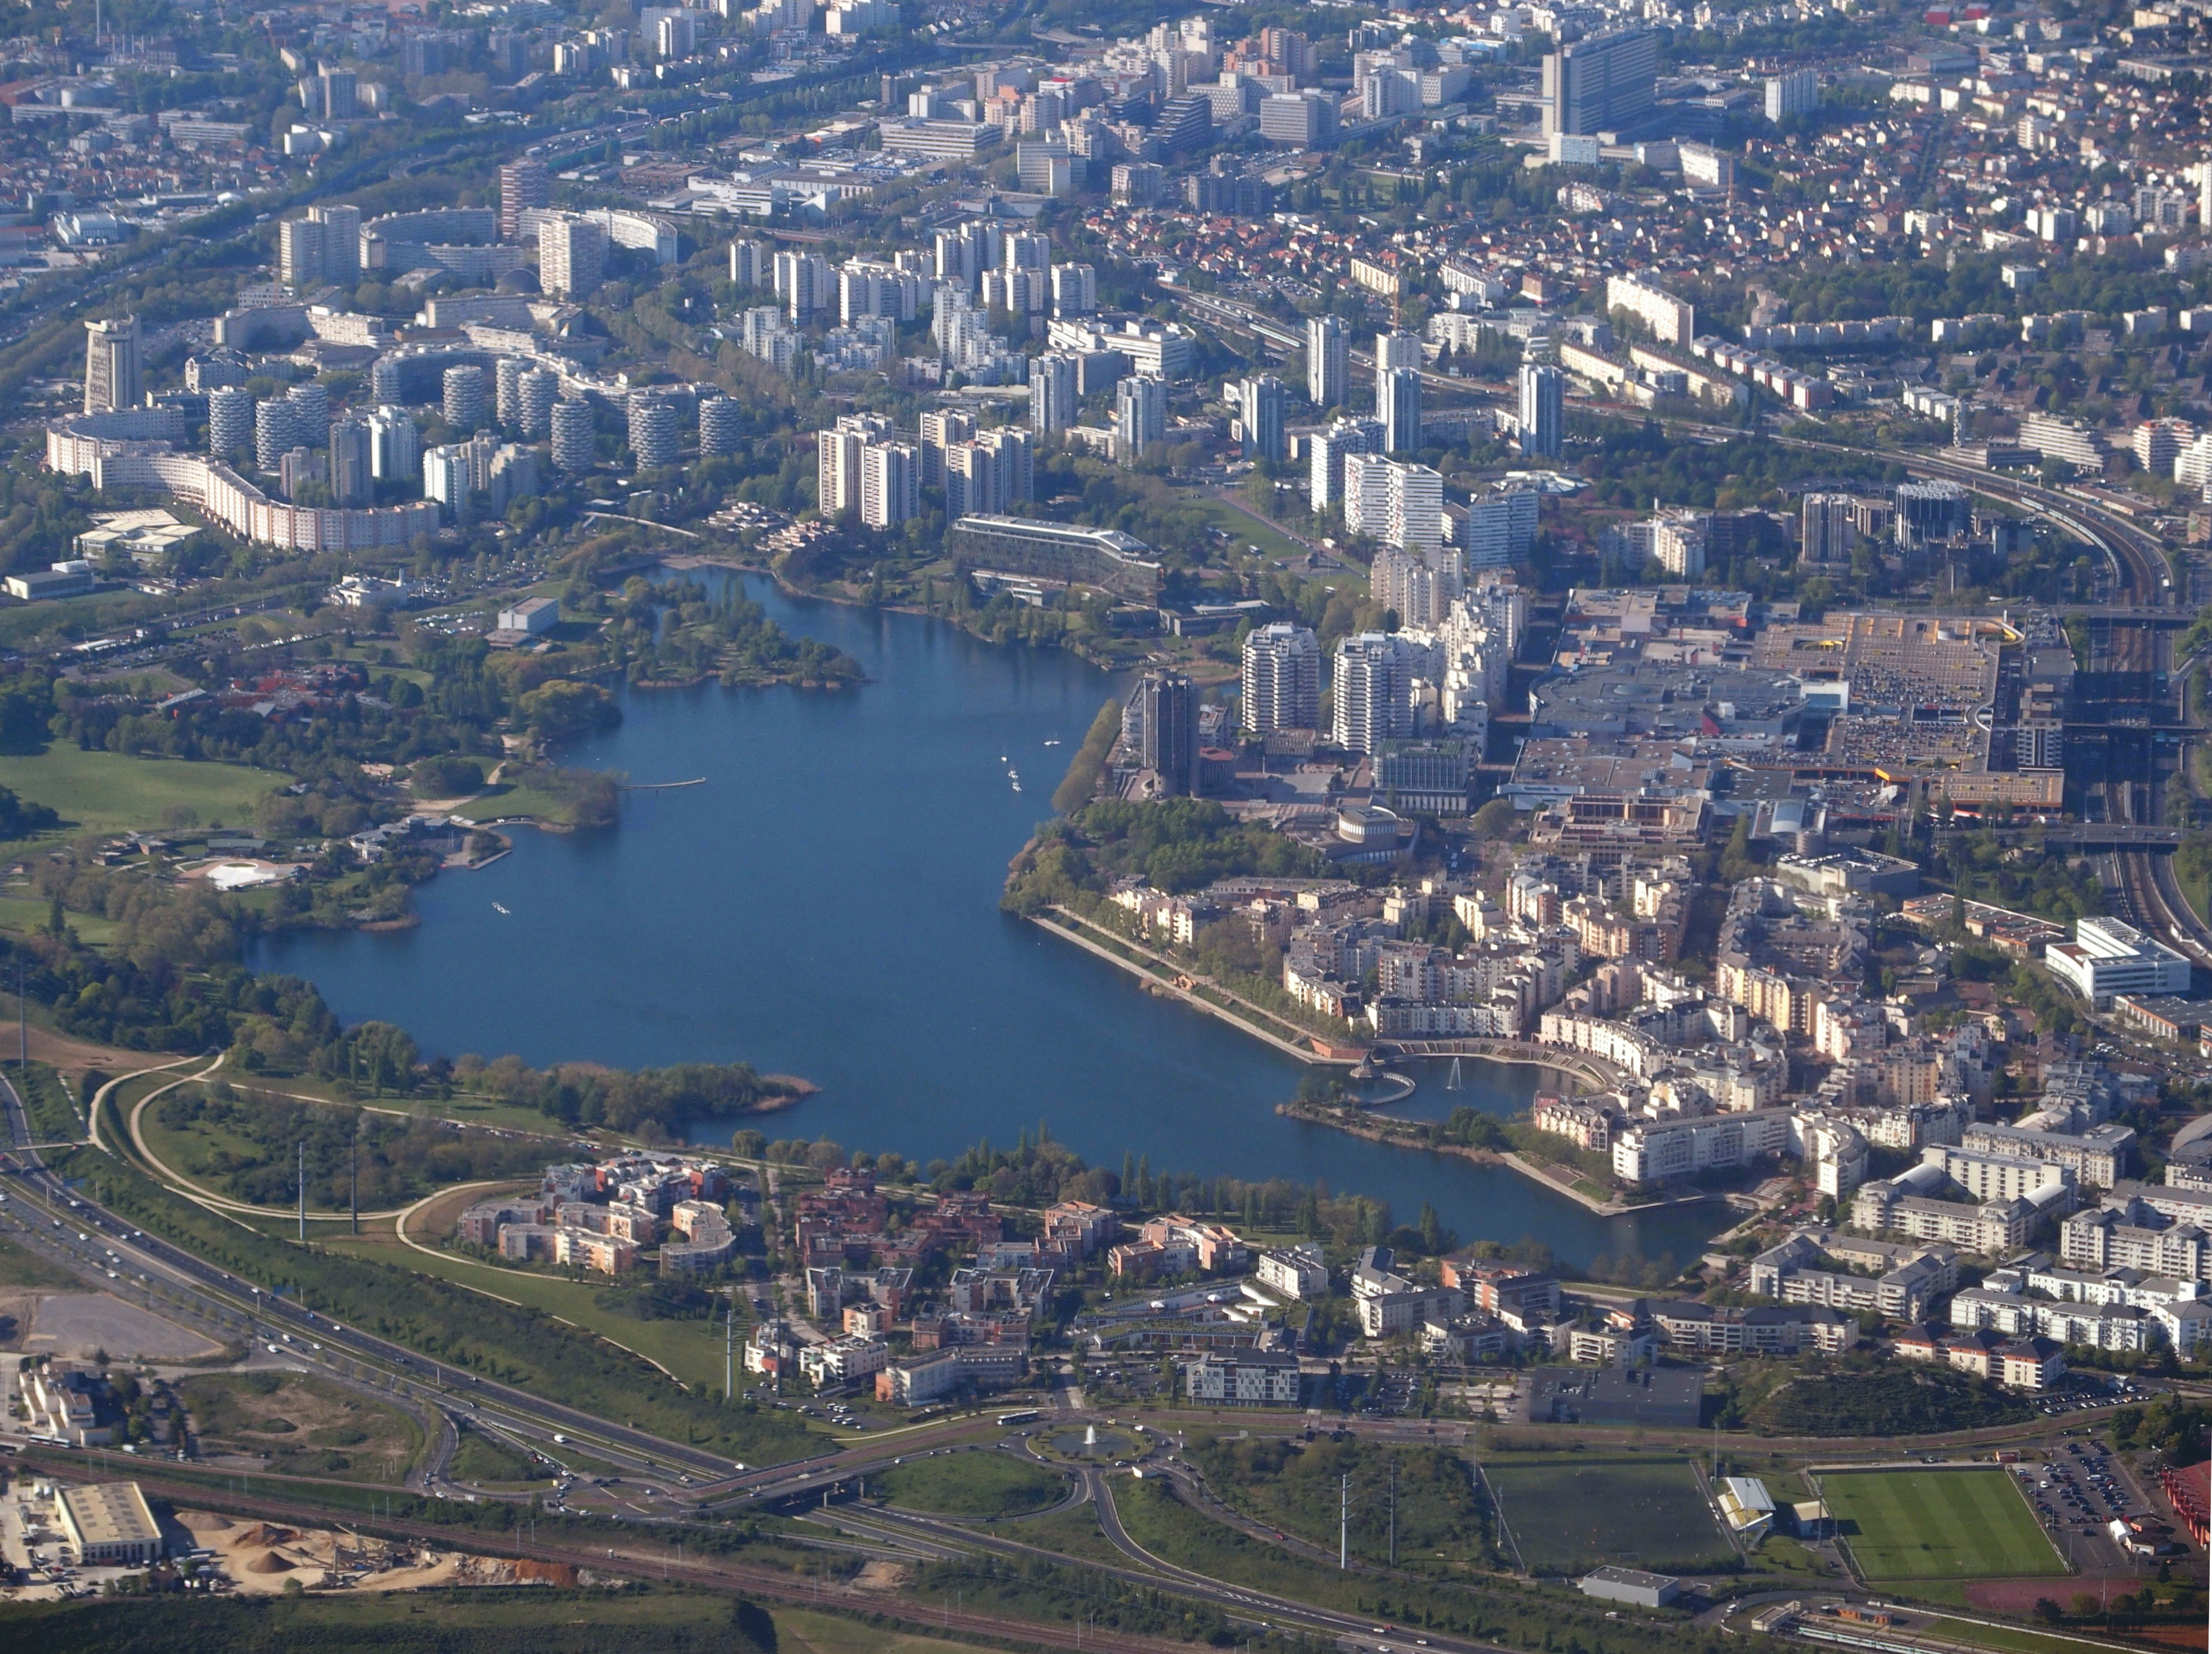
1570	1514
1938	1524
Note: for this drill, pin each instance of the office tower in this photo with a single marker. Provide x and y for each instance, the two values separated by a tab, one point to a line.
572	256
385	380
890	484
575	445
351	462
802	281
652	436
395	447
1163	716
463	402
1501	527
311	414
273	432
534	395
1398	403
1074	290
300	254
506	392
1141	416
1396	349
941	430
1601	83
1052	393
751	265
341	238
1792	94
1328	362
1282	679
720	423
112	375
971	480
1830	528
1260	403
1543	411
1374	692
230	420
1013	455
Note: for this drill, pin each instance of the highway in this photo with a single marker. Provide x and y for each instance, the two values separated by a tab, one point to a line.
267	1318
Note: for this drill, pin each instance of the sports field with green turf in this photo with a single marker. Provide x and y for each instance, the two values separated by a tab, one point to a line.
1938	1524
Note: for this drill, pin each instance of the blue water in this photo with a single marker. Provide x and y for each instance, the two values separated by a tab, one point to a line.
826	905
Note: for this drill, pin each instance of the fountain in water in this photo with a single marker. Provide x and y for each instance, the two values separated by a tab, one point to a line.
1090	1439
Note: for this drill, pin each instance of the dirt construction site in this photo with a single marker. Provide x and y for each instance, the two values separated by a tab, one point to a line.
265	1557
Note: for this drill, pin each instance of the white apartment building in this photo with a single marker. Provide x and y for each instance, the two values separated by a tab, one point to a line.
2109	956
1672	320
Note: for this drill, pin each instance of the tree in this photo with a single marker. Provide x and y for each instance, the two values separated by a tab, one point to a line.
1495	819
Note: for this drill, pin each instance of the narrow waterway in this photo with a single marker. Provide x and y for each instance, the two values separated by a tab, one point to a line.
826	905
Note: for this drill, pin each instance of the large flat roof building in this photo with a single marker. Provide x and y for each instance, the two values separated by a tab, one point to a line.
1104	557
2109	956
110	1524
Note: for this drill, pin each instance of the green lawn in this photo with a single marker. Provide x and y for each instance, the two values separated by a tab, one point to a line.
1570	1512
27	913
2008	1637
803	1632
661	1620
1243	527
504	802
1938	1524
481	1458
110	791
990	1483
22	1268
690	1349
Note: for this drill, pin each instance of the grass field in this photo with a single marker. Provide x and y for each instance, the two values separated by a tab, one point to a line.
109	792
506	802
1241	526
481	1458
2008	1637
27	913
1938	1524
661	1620
1570	1513
690	1349
987	1484
20	1268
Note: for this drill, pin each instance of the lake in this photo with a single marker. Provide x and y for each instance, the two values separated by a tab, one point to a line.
826	904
